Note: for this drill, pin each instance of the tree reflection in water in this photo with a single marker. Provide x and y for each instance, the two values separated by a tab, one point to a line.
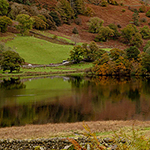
101	98
12	83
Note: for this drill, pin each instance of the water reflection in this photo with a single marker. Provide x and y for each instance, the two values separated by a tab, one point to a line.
77	99
12	83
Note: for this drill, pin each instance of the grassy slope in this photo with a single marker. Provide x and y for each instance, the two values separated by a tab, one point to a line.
37	51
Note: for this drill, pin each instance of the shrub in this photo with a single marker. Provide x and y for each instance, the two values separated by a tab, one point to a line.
135	18
104	3
91	53
94	24
113	2
11	61
49	20
115	29
142	9
4	22
143	20
89	12
78	21
15	10
76	55
131	36
42	17
25	23
123	10
104	33
65	10
38	23
56	17
115	53
148	13
78	6
146	46
145	32
75	30
3	7
137	40
146	62
148	50
75	38
132	52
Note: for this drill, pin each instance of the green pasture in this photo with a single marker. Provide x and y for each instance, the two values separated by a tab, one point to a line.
37	51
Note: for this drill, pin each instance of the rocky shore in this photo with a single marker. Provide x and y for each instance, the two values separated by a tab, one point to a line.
50	144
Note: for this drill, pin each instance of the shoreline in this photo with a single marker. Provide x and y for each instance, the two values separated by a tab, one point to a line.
69	129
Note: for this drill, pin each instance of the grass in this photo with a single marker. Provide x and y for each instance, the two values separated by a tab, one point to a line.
37	51
46	33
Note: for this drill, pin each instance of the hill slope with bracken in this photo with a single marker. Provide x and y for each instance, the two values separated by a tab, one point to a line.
119	15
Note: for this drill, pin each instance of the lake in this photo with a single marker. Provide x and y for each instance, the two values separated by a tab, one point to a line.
57	99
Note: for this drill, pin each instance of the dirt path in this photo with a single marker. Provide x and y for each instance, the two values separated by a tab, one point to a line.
65	129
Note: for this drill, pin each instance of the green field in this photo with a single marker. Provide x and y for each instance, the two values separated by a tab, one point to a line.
37	51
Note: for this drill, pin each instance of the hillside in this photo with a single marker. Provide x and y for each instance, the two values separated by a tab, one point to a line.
110	14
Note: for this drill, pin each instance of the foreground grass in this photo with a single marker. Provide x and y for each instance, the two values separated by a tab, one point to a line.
37	51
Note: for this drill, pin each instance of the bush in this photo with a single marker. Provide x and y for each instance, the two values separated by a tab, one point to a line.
135	18
76	55
123	10
115	29
148	13
104	3
49	20
131	36
148	50
25	23
143	20
38	23
15	10
132	52
94	24
145	32
137	40
146	46
11	61
78	6
78	21
4	22
42	17
56	17
113	2
75	30
89	12
104	33
3	7
65	10
142	9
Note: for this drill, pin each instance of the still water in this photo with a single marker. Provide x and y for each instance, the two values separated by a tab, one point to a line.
71	99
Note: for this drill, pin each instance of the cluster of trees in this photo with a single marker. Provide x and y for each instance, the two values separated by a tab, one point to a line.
85	52
9	59
122	63
116	62
65	11
129	35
